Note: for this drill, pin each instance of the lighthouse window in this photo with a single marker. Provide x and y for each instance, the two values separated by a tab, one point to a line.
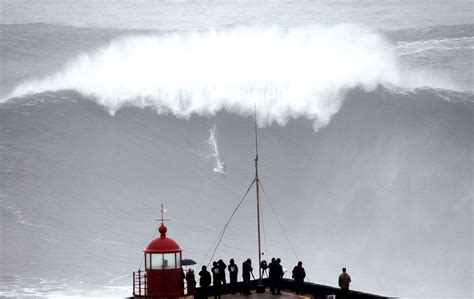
163	261
169	261
147	261
178	259
156	261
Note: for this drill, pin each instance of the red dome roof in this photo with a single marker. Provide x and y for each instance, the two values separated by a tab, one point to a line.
163	243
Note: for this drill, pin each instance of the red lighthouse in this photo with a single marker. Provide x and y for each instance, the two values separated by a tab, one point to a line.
163	275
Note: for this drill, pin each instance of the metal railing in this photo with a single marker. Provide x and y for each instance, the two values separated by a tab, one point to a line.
139	283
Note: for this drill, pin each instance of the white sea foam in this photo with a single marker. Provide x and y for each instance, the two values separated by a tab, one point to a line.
16	212
447	44
289	73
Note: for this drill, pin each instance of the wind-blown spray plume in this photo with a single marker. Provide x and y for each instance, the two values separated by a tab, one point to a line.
303	71
220	166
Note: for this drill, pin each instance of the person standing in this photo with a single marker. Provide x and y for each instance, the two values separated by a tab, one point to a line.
344	281
190	282
278	276
271	275
204	281
298	275
246	271
216	280
183	277
222	266
233	272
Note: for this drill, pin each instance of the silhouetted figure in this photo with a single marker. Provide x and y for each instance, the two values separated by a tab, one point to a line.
344	281
190	282
298	275
204	281
278	276
272	276
222	266
246	272
233	272
183	276
216	279
264	267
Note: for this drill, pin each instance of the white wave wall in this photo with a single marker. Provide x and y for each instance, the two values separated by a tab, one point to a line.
289	73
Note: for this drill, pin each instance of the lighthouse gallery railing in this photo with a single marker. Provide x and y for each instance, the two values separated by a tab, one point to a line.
139	283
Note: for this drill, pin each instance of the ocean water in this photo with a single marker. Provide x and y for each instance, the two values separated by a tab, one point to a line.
109	109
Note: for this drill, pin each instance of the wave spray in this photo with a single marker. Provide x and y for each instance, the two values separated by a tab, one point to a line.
290	73
220	166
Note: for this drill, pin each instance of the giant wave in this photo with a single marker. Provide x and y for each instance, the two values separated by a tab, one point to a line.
298	72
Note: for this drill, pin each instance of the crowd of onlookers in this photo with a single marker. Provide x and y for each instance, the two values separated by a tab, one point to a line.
217	277
273	271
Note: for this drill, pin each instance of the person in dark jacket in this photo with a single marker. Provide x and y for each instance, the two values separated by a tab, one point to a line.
233	272
298	275
278	276
204	281
222	266
246	272
216	280
190	282
271	274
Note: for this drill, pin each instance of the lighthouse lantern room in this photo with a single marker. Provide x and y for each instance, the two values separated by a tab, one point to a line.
163	275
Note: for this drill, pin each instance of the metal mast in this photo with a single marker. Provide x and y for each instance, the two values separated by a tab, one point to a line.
257	183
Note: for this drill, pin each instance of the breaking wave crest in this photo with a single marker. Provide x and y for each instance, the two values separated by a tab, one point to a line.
289	73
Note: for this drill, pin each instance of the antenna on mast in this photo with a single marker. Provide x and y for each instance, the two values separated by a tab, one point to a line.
260	286
162	212
256	140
